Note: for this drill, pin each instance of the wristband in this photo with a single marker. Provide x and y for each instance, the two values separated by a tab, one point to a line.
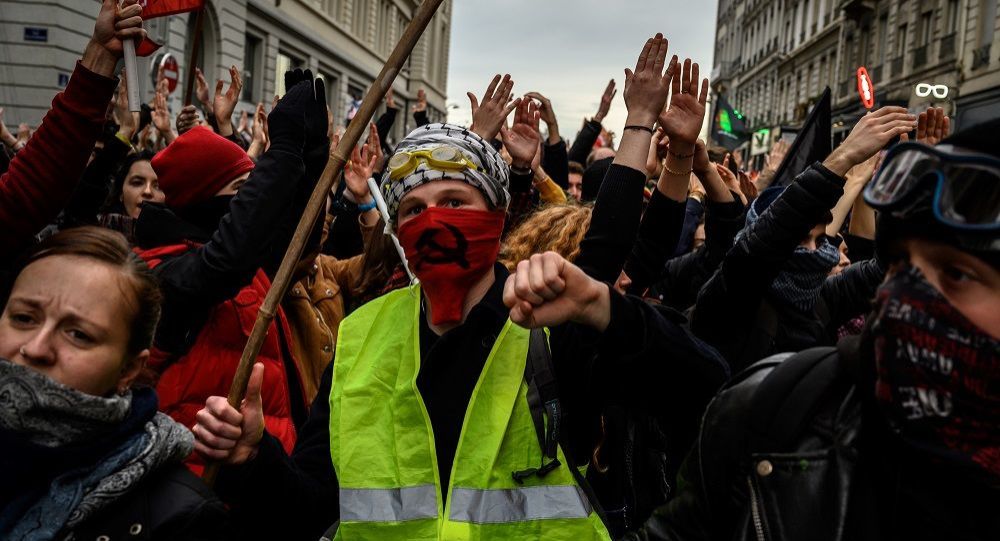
522	172
680	156
677	173
365	207
123	139
641	128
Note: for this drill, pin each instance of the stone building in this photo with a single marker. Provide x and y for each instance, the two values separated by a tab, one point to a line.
774	58
346	41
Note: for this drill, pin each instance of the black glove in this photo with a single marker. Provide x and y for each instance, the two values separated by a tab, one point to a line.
317	143
286	125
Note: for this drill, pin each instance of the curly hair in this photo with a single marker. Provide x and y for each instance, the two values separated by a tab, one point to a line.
557	228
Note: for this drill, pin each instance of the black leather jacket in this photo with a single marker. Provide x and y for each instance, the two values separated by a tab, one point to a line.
840	474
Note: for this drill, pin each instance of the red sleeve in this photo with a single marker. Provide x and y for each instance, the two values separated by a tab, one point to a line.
41	177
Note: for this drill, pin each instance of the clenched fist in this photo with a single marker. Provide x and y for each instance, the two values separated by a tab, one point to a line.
546	290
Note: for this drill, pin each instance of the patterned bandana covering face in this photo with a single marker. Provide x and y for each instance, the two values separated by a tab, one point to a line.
938	375
492	176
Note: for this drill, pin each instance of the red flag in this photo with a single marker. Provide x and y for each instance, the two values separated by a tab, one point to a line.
160	8
146	47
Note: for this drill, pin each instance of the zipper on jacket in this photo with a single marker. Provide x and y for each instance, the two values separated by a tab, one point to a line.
755	511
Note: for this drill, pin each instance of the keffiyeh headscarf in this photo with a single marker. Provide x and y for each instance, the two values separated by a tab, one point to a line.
491	176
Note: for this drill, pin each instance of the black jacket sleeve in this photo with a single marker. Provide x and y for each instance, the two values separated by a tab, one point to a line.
556	163
420	118
735	291
684	276
692	215
658	236
613	225
301	488
95	184
584	142
384	123
217	270
849	294
642	344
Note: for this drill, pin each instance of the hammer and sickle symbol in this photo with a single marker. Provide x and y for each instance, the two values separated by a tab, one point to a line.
435	253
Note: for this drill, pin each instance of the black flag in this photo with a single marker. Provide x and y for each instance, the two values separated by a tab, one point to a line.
812	144
728	129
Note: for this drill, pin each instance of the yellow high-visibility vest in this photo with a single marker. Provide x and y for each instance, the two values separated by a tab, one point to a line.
382	444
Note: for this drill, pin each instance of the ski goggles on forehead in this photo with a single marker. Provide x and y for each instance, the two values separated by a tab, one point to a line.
966	186
442	158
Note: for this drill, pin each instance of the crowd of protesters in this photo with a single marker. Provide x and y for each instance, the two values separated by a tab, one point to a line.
511	338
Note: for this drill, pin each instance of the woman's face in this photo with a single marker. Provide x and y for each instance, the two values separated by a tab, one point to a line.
69	317
970	284
140	185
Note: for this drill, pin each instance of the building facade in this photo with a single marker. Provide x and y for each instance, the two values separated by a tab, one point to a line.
773	59
344	41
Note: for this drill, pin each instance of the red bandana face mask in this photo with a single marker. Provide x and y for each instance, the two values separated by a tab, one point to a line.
449	250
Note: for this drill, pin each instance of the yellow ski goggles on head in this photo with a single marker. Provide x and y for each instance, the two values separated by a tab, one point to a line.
442	158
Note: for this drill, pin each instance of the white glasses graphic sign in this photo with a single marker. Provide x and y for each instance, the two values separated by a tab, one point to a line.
940	91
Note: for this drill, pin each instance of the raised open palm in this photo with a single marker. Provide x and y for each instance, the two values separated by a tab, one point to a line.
683	117
522	138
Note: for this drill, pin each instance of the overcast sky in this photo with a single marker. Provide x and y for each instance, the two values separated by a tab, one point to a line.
568	49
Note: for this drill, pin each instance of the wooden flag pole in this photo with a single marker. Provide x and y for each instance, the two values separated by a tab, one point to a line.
199	20
317	204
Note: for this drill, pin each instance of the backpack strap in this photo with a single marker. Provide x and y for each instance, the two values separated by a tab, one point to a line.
789	396
543	401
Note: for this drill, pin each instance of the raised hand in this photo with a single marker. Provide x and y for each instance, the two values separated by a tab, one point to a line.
546	290
187	119
162	85
225	103
488	114
647	87
390	101
609	94
683	119
361	166
258	143
224	434
658	146
522	139
244	122
115	23
707	173
548	115
201	90
5	135
23	132
932	126
161	118
128	121
421	104
869	135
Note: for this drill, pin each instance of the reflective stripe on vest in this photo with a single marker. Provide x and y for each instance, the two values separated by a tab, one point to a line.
388	504
518	504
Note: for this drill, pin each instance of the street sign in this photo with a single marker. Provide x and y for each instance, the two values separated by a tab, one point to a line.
866	88
171	71
32	33
760	143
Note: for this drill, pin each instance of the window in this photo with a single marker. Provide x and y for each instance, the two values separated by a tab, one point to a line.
901	41
883	36
359	20
251	61
925	28
282	63
987	21
952	17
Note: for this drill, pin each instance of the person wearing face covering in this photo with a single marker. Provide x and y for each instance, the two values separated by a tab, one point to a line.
211	245
772	293
428	404
891	434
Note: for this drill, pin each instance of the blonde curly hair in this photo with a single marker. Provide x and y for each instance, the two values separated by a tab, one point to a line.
557	228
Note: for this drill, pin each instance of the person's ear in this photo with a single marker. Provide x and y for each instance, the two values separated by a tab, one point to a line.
131	370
